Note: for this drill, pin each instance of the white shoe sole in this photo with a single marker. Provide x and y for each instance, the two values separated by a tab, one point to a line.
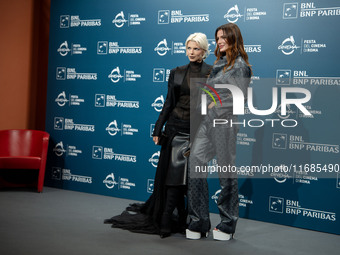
221	236
193	235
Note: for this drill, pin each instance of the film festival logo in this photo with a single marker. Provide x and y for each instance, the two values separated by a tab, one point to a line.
63	49
59	149
115	75
154	159
162	48
233	14
290	10
158	103
133	20
129	75
76	49
112	128
61	99
110	181
123	183
119	20
70	151
288	46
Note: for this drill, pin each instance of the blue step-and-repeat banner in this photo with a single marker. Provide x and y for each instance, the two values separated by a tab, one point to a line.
109	63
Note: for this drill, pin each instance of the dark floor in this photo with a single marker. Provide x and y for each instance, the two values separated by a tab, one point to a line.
67	222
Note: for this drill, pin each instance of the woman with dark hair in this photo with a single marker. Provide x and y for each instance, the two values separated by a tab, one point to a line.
231	67
155	216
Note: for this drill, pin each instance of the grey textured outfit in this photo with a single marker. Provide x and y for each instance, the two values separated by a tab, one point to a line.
219	141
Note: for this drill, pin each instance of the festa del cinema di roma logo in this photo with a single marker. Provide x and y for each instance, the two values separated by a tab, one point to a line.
238	104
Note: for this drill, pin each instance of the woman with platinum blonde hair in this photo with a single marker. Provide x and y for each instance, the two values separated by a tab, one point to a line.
156	215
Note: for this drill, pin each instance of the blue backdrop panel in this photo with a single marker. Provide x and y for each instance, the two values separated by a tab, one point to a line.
109	63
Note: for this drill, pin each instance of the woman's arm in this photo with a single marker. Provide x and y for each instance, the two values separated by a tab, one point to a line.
167	107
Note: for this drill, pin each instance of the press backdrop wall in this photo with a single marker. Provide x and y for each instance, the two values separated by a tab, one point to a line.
109	63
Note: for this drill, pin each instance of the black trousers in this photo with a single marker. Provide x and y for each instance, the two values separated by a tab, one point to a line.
219	141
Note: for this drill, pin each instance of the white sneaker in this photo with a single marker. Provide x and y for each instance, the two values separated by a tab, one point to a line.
221	236
193	235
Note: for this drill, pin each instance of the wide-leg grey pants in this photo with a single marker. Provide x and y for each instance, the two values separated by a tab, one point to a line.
219	141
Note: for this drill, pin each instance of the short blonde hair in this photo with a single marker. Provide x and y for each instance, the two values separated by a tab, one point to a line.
201	40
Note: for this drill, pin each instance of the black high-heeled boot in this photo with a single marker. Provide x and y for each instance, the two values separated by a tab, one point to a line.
172	198
165	226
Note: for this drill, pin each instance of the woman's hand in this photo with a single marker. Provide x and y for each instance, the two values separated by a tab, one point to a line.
155	139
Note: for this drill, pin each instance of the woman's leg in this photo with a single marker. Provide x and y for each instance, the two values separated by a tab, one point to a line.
198	194
225	144
174	198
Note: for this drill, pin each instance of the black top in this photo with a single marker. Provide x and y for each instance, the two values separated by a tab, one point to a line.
182	108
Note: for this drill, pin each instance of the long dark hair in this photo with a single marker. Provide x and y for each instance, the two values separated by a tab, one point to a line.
233	36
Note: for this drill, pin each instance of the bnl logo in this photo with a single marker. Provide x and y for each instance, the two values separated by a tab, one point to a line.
276	204
163	17
56	173
58	123
99	100
279	141
97	152
61	73
64	21
102	47
290	10
158	75
283	77
150	186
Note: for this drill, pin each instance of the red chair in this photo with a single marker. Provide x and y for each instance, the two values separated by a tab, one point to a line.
24	149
